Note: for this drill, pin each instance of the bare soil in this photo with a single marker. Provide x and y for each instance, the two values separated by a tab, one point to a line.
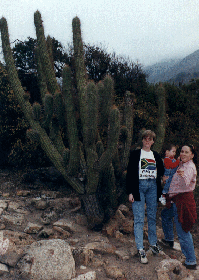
130	267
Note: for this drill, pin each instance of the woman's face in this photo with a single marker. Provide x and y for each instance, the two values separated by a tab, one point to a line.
186	154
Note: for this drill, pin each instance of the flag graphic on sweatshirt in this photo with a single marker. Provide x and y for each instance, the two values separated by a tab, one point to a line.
148	169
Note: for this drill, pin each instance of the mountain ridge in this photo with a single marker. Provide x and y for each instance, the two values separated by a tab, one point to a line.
174	70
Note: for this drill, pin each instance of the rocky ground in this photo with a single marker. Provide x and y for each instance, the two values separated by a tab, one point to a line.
44	235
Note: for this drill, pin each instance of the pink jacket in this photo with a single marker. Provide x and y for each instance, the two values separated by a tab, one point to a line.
185	183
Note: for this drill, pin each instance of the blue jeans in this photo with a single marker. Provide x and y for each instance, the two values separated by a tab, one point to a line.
148	194
185	238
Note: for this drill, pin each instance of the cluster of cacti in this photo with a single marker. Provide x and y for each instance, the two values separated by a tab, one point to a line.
88	164
98	149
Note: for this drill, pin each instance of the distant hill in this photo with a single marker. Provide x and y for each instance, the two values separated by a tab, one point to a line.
175	70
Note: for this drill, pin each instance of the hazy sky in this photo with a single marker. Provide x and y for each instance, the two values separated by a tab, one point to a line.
146	31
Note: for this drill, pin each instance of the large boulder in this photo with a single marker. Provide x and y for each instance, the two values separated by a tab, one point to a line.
48	260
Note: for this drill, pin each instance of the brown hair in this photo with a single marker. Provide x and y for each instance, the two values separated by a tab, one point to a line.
148	133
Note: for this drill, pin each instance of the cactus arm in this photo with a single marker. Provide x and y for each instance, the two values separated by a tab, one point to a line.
80	71
91	117
105	92
128	124
113	136
71	121
44	55
160	131
41	76
92	173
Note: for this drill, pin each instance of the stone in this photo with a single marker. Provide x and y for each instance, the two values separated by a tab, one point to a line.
67	225
63	232
10	253
5	194
39	203
23	193
48	260
81	220
3	204
119	216
6	186
101	247
17	207
127	226
91	275
45	233
14	219
48	216
111	227
171	268
32	228
3	269
124	209
122	254
114	272
18	238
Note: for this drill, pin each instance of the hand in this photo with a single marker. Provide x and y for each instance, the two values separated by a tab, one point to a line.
164	178
178	158
131	198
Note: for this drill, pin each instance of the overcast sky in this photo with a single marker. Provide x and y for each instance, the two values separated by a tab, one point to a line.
146	31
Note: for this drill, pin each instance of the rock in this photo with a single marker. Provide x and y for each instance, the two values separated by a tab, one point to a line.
114	272
3	204
111	227
3	269
81	220
49	194
45	233
119	216
23	193
118	235
32	228
18	238
6	194
88	276
67	225
124	209
48	216
14	219
7	186
122	254
101	247
17	207
48	260
127	226
10	253
170	269
39	203
63	232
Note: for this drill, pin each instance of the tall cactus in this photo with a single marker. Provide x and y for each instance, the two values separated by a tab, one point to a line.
85	162
161	126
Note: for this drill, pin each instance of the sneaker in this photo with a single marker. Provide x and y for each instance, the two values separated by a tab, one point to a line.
156	249
142	256
190	266
168	243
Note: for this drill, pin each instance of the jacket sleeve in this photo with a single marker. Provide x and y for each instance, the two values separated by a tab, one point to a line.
132	176
168	164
